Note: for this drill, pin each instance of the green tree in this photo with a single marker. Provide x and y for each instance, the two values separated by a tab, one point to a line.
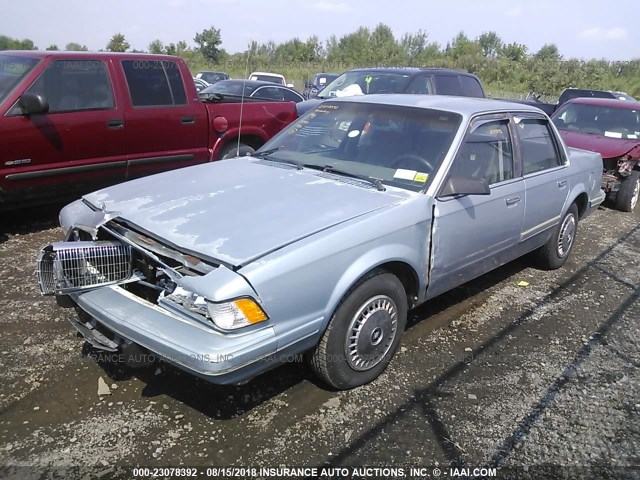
156	47
75	47
490	44
118	43
413	44
548	52
209	41
515	52
7	43
384	47
53	47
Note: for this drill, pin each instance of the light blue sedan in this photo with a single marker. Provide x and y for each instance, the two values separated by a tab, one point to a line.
323	240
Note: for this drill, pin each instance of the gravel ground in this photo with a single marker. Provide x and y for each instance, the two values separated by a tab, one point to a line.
535	380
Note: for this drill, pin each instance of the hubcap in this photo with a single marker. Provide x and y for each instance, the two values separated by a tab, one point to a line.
636	192
371	332
567	234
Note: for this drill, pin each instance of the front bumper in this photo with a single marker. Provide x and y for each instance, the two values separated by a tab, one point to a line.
188	344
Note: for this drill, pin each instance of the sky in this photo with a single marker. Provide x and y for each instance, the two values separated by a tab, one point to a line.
581	29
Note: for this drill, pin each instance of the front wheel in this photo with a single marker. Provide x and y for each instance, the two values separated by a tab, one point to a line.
627	197
363	334
234	150
555	252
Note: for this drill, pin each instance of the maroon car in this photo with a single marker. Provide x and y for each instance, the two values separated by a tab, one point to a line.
612	129
72	122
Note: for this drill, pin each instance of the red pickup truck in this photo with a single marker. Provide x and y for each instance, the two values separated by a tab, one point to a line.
71	122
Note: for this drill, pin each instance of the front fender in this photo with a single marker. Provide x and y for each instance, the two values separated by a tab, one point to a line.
369	261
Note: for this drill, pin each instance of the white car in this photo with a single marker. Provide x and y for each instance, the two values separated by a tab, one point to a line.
270	77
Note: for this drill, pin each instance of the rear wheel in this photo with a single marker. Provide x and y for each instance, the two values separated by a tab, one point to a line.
363	334
555	252
233	150
627	197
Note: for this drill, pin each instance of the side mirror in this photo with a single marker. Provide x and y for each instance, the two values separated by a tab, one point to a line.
465	186
32	104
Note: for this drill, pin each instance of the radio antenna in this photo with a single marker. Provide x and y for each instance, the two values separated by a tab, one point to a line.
244	83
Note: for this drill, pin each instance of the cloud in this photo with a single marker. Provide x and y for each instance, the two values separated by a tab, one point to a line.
333	7
514	12
616	33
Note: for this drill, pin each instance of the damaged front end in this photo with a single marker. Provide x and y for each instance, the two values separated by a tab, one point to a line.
618	168
136	294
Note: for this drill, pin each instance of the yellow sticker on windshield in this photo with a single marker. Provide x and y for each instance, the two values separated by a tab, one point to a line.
421	177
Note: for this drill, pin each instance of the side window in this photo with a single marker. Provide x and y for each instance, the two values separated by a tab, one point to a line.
470	86
154	83
420	84
537	146
486	153
269	93
290	96
74	85
446	84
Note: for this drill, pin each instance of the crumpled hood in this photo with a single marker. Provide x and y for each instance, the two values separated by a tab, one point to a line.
237	210
605	146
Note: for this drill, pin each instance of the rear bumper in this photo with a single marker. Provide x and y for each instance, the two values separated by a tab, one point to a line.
188	344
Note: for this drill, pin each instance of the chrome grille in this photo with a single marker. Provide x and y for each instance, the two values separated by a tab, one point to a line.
65	267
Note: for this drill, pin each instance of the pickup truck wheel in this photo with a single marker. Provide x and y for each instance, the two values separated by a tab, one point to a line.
555	252
232	151
363	334
627	197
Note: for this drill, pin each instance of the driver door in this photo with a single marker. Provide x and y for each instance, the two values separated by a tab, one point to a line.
474	234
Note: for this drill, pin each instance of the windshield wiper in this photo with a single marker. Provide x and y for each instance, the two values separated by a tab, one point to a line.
329	169
267	153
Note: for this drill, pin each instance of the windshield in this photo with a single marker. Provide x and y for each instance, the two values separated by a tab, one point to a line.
268	78
211	77
365	82
230	87
612	122
325	79
12	70
401	146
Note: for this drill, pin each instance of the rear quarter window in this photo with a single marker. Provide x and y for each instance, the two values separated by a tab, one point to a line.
154	83
446	85
471	86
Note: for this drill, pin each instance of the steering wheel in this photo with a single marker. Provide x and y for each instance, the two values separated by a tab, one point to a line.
413	160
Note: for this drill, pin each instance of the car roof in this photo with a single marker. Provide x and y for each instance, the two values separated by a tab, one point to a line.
607	102
73	54
410	70
267	73
210	71
251	83
466	106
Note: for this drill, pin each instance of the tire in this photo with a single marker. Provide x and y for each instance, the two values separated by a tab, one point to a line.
555	252
627	197
363	334
232	151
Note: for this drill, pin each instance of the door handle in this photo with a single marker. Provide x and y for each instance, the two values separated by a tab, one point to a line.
562	183
115	123
512	201
188	120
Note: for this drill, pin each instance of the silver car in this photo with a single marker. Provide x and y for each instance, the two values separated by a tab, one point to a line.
323	240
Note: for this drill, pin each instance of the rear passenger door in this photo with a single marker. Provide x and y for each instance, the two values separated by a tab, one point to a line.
476	233
544	168
165	129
